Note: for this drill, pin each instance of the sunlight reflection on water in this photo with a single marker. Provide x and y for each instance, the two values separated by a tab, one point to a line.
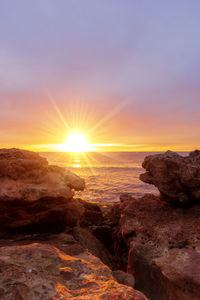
107	175
76	166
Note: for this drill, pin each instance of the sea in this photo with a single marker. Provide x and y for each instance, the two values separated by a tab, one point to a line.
107	175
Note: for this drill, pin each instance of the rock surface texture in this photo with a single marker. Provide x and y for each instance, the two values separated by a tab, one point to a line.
163	245
45	253
176	177
35	194
41	271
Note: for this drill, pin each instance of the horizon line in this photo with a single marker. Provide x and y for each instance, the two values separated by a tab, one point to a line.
108	148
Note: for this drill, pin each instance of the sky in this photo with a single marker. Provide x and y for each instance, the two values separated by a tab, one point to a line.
125	73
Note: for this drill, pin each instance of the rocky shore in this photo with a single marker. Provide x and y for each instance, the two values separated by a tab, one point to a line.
55	246
158	238
47	248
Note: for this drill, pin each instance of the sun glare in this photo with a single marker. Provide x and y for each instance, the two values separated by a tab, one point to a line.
76	142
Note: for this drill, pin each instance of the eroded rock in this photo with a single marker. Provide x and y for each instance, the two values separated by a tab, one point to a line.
33	193
163	245
41	271
176	177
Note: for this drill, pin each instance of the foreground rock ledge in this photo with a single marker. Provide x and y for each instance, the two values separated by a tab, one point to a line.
176	177
40	271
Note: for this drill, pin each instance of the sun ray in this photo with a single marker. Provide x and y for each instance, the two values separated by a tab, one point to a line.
77	113
89	164
108	116
58	112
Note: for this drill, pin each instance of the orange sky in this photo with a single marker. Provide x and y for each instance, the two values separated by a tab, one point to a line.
113	127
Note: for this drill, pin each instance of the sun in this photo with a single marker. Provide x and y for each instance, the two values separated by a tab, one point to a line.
76	142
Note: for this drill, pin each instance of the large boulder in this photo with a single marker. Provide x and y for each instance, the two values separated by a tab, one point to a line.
176	177
33	193
41	271
163	245
31	168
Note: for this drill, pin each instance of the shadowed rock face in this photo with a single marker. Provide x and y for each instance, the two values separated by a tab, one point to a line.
176	177
35	193
41	271
163	244
90	242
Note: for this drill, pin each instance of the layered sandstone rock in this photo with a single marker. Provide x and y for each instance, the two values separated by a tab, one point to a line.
163	247
176	177
41	271
34	194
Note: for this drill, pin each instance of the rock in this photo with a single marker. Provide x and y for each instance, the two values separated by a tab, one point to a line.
124	278
164	247
35	194
74	181
83	213
92	214
125	197
17	164
176	177
113	215
90	242
40	271
104	234
176	265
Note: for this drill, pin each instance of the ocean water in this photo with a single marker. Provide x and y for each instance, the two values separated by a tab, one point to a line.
107	175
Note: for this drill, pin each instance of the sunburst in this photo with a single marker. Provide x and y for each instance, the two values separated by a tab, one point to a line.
76	142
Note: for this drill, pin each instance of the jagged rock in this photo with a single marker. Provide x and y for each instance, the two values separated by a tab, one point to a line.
33	193
176	177
41	271
163	247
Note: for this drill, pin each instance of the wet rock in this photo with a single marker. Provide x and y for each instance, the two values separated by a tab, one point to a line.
40	271
176	177
163	247
35	194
